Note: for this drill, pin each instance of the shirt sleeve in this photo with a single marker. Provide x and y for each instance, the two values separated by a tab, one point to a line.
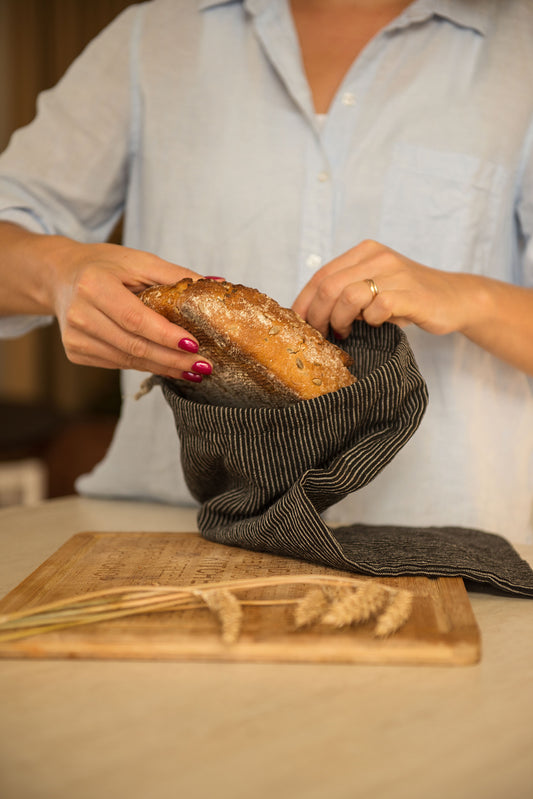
525	209
65	172
16	326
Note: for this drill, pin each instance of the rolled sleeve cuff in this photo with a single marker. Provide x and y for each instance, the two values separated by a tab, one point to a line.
23	217
16	326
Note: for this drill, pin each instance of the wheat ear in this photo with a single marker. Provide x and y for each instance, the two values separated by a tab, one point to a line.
118	602
228	611
310	607
395	614
356	606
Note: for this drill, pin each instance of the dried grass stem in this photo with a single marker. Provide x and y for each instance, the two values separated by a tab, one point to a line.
331	599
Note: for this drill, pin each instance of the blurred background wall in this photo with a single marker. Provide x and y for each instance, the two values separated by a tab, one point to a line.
55	417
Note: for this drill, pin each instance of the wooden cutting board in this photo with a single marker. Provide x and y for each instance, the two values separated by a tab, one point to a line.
441	629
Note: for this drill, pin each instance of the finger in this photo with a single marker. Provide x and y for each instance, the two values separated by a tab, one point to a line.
351	261
327	293
352	303
91	334
308	294
303	300
139	269
126	310
128	315
339	299
389	306
92	352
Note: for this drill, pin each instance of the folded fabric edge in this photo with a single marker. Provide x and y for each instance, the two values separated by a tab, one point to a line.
503	569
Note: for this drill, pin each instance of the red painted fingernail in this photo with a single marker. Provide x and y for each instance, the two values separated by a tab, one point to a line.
194	378
202	368
336	335
214	277
188	345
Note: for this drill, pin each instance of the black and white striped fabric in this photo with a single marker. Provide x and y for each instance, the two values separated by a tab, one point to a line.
264	476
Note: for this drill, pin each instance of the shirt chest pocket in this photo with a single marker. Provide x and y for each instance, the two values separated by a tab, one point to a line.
442	208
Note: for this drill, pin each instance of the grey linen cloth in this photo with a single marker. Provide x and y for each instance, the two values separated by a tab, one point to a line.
264	476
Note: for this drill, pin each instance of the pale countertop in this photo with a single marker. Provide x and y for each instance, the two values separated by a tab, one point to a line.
87	729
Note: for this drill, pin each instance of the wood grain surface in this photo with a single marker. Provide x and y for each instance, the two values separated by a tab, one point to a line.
442	628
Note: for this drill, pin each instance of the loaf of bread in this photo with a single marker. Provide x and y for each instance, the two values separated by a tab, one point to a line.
262	354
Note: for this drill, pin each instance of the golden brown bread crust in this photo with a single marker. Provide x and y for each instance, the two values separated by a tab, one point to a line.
262	353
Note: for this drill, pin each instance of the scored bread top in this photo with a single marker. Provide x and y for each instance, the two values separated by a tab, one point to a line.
262	353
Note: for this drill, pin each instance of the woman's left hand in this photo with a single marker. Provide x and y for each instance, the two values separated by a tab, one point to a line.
407	293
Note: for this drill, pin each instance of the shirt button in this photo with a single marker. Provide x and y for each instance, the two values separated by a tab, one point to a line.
348	98
313	261
323	176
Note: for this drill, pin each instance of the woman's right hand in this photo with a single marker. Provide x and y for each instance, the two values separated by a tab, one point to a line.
103	323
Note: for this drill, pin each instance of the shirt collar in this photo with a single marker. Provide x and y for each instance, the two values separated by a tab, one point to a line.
475	14
253	6
203	4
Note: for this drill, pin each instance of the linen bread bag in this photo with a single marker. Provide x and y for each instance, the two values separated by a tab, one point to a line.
289	423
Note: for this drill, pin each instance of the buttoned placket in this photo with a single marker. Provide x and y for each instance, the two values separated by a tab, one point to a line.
317	209
328	154
327	147
326	157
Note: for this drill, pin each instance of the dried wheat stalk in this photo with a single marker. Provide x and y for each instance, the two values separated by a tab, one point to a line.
336	601
395	614
311	607
228	611
356	606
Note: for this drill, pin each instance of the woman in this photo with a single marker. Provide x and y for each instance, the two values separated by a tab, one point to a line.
355	159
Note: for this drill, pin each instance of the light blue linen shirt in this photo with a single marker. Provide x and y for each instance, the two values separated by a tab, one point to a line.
195	120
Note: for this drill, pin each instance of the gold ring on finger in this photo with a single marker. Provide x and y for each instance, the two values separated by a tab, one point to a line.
373	288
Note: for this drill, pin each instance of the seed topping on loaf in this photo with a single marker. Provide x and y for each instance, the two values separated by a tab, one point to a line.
262	353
